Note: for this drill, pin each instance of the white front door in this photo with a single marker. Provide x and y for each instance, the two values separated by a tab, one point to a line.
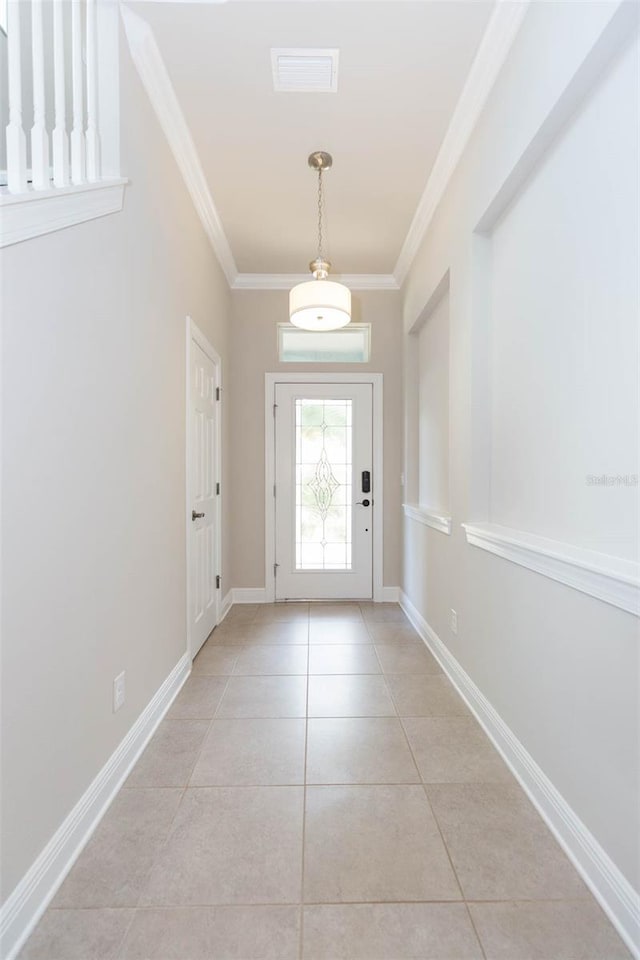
323	509
202	515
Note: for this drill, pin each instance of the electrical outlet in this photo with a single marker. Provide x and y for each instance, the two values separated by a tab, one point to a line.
118	692
453	621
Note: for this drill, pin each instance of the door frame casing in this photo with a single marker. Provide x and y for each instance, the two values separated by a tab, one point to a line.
195	334
377	382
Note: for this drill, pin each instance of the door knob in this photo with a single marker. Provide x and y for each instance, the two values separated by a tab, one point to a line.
195	515
362	503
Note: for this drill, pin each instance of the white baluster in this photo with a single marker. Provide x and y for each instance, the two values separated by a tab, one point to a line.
78	153
60	138
93	140
39	136
16	140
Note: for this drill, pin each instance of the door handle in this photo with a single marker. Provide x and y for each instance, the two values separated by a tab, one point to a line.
195	515
362	503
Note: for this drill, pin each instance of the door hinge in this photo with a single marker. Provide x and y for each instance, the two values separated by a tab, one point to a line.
217	489
275	407
217	393
218	581
275	569
274	489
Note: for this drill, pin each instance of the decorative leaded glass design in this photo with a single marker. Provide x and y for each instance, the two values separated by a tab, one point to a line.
323	484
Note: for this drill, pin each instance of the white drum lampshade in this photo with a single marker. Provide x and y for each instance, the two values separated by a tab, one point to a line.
320	305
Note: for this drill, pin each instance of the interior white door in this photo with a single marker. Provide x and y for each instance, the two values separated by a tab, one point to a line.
323	509
202	518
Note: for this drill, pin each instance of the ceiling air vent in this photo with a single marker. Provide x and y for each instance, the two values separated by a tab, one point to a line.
304	71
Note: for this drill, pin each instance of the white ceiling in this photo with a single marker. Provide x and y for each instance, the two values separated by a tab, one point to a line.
402	68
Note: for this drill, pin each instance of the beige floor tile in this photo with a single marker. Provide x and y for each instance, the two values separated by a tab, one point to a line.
234	639
392	632
279	631
230	636
215	661
198	699
383	613
499	846
349	696
389	931
454	750
407	657
560	930
170	756
252	752
373	843
283	612
337	631
77	935
214	933
112	869
242	612
425	696
264	659
231	845
343	658
358	751
321	610
254	697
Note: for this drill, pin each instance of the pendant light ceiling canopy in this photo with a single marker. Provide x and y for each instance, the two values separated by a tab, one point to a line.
320	304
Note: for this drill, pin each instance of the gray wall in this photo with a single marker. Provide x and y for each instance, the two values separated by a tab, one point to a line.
543	391
93	557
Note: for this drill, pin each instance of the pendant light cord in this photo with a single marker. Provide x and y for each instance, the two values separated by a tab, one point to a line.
320	206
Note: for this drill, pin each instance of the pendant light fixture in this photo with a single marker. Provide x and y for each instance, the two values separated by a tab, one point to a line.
320	304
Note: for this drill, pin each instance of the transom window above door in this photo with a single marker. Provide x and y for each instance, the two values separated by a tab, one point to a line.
350	344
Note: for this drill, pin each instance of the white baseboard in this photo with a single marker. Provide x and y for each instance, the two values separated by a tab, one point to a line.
610	887
22	910
249	595
259	595
227	603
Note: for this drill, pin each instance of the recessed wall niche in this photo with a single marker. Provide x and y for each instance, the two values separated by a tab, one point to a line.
559	305
428	373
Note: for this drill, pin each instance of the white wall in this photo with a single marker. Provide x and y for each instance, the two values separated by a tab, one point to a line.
254	352
93	541
564	332
538	230
433	408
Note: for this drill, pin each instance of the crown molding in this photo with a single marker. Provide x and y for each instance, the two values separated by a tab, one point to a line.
496	42
492	52
157	83
284	281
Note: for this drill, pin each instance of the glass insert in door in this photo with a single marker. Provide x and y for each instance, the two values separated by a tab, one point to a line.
323	484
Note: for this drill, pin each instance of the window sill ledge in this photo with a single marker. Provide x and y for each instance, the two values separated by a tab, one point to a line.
437	521
614	580
27	215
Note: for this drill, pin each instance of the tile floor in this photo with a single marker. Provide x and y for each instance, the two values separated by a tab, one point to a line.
318	790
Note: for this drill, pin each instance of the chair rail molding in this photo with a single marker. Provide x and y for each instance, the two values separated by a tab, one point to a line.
612	579
430	518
